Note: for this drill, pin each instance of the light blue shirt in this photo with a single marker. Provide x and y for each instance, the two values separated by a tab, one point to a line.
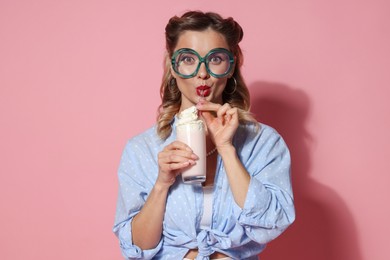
240	233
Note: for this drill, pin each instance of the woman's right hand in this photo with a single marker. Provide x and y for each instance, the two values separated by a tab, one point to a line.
147	225
172	160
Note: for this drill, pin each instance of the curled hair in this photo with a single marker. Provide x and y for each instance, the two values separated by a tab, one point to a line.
236	96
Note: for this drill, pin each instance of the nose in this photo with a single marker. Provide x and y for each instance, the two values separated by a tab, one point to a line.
202	73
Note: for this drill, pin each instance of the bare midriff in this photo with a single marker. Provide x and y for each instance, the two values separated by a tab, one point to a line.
193	253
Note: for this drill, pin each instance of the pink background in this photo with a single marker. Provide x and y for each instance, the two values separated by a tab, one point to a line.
80	77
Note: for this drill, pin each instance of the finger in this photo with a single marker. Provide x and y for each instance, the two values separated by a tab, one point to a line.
173	167
178	166
176	157
233	115
208	118
207	111
177	145
222	110
207	106
178	152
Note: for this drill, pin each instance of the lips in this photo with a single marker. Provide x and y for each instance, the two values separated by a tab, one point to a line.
203	91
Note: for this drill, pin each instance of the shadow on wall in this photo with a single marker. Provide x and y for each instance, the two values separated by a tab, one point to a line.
324	228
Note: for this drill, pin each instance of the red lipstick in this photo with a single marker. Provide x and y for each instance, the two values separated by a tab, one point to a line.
203	91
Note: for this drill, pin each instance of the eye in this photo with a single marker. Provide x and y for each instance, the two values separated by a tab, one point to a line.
217	58
187	59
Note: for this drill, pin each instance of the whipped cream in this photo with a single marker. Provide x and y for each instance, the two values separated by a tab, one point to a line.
189	116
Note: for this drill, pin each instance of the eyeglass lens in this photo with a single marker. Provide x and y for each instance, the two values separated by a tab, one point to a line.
187	63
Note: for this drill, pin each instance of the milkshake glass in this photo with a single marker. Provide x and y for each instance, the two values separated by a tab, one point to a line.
191	131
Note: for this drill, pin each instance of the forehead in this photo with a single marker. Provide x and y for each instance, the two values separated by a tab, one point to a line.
201	41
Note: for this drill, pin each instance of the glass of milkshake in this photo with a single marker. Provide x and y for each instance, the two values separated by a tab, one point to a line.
191	131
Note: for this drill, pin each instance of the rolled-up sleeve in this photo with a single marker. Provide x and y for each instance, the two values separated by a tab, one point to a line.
133	191
269	206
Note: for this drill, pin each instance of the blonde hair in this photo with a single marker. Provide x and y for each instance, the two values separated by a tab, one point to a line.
235	93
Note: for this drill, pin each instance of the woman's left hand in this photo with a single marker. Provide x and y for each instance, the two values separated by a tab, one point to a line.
222	123
221	120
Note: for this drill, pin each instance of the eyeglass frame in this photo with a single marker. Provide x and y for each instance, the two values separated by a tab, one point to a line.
202	60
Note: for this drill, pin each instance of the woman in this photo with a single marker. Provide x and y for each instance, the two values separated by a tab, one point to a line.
246	200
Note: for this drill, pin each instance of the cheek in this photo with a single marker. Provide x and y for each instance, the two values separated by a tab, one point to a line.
221	84
182	84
